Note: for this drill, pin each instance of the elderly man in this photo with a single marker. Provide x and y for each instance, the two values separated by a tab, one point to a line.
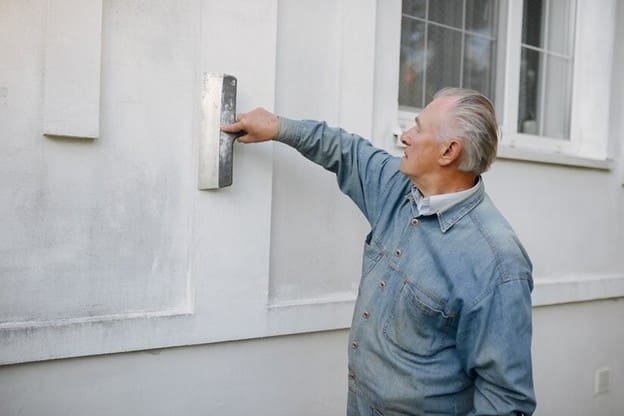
442	322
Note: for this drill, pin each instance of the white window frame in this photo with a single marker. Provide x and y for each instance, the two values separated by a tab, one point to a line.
511	136
515	39
593	40
588	142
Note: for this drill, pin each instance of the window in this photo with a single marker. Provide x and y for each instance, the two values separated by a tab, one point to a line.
546	64
446	43
545	98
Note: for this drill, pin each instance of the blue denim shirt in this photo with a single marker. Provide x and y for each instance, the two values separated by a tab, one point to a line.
442	321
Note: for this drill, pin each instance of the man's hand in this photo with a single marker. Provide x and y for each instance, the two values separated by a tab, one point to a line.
258	125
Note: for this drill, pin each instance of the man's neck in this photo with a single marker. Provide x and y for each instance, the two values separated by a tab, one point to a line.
445	184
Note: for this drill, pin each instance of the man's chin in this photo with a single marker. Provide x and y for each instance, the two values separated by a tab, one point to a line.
404	172
402	166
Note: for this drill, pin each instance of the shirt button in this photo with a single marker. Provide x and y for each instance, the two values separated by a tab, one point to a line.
382	284
365	315
397	252
414	221
354	345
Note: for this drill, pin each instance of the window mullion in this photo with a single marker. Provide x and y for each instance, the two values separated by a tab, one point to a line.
463	42
425	69
573	18
513	53
542	50
544	68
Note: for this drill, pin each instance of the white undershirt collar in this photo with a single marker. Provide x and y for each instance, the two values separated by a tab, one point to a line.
434	204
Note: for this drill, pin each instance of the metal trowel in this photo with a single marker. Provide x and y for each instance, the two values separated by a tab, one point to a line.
218	107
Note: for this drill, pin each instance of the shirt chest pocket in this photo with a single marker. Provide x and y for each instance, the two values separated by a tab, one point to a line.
416	324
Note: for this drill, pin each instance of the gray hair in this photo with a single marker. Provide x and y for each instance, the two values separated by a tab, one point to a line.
472	120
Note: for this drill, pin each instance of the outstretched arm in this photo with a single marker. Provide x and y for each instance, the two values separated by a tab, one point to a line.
365	173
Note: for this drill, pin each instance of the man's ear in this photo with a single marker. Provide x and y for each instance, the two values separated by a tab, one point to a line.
451	150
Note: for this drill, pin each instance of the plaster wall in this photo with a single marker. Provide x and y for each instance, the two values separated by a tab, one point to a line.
300	374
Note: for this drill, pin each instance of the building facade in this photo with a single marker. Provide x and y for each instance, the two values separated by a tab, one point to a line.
124	289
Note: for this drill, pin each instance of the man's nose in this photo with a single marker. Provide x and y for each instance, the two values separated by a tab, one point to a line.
405	139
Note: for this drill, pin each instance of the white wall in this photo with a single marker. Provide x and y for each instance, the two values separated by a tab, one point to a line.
300	374
295	375
570	343
263	281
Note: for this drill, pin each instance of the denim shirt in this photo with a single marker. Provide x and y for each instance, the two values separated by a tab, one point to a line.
442	321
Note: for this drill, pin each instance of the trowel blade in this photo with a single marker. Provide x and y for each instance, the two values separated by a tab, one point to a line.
215	146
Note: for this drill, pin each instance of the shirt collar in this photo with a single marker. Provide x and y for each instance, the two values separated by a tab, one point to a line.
450	207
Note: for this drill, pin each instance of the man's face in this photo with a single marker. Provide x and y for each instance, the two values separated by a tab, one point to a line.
423	149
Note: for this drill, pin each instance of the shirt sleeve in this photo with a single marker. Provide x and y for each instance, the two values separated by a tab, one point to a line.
364	173
494	341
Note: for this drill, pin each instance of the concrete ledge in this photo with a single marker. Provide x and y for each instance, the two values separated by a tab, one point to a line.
36	341
582	288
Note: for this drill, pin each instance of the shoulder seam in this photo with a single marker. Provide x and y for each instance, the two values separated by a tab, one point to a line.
488	238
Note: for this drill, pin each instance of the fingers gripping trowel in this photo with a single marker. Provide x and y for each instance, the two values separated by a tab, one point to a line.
215	146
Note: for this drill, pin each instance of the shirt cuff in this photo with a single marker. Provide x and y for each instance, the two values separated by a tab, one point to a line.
290	131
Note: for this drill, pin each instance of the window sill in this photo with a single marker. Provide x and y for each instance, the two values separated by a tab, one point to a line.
516	153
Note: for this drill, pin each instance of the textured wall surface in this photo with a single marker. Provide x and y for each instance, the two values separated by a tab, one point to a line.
107	246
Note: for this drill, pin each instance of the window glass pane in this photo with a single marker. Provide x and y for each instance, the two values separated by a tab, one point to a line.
480	16
556	98
478	64
546	75
532	24
448	12
528	111
434	55
443	59
412	63
559	25
416	8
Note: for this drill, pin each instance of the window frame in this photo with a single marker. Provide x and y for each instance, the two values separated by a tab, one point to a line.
511	136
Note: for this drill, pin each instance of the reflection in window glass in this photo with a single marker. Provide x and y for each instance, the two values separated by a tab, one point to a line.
412	66
478	63
546	68
532	23
480	16
443	59
560	26
446	43
415	8
557	102
446	12
529	91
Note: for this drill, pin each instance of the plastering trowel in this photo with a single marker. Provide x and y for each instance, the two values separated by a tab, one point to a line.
218	107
